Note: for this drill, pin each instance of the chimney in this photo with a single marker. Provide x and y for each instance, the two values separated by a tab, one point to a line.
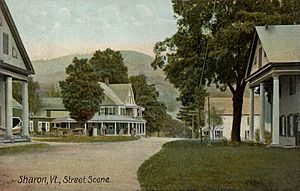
106	81
266	27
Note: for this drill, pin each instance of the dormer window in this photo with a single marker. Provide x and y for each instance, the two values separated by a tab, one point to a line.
14	52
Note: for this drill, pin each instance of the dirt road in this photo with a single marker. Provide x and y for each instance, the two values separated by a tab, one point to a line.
90	166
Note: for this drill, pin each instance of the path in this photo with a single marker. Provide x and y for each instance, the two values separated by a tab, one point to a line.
119	161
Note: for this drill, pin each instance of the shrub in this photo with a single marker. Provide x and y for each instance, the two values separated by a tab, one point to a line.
268	136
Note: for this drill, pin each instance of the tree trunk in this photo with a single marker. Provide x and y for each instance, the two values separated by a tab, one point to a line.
237	113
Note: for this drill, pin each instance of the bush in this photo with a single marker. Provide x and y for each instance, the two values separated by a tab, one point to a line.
268	136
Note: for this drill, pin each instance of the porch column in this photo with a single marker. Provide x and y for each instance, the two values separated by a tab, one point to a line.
115	128
251	117
9	107
275	113
139	128
85	127
128	128
95	131
262	113
2	101
101	129
145	129
25	111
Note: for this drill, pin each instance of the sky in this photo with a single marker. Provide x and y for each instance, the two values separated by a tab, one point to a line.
54	28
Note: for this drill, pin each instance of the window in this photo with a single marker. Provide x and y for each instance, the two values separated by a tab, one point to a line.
292	85
0	21
288	126
260	57
246	134
102	111
14	52
282	126
111	111
218	134
5	43
291	126
265	54
248	120
31	126
43	126
255	60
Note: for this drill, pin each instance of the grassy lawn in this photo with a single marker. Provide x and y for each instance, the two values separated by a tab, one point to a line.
85	139
190	165
23	148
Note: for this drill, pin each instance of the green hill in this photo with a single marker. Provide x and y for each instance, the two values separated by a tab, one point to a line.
49	72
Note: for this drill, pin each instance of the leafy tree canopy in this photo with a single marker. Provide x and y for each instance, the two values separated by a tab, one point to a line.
110	64
146	96
80	91
53	91
221	48
35	102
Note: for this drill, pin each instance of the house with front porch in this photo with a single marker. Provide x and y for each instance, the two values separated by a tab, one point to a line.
274	71
118	114
15	65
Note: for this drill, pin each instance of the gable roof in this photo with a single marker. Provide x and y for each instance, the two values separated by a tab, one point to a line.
115	94
122	90
224	105
52	103
280	42
110	94
16	37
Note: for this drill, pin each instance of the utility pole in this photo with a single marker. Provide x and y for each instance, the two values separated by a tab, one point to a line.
208	117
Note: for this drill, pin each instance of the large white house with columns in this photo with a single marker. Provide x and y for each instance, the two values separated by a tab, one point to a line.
118	114
14	66
274	70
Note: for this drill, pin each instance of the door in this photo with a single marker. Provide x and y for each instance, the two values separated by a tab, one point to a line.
297	129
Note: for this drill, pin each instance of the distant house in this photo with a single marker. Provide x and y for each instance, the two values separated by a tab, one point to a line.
118	114
14	66
224	106
274	68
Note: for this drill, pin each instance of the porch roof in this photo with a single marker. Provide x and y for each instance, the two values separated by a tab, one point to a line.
102	118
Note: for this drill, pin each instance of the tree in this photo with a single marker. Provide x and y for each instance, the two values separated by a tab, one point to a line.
215	119
34	99
53	91
174	128
201	53
146	96
81	91
188	115
110	64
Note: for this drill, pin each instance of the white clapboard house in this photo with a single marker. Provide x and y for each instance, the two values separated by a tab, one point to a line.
274	69
15	65
118	114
